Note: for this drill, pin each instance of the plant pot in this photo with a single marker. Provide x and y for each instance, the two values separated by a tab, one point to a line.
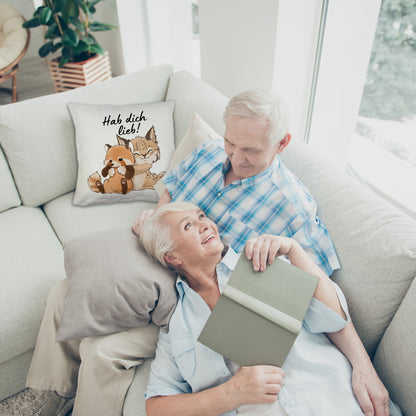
78	74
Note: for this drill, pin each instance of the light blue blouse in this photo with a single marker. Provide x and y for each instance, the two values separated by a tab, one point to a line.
317	375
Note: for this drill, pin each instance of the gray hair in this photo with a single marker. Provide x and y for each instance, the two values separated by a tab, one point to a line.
261	103
156	236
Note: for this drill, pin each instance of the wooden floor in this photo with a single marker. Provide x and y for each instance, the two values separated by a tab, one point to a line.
33	80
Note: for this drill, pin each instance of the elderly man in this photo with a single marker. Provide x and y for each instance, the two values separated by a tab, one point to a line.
315	377
243	186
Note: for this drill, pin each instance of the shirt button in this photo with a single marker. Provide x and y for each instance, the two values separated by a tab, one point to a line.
219	194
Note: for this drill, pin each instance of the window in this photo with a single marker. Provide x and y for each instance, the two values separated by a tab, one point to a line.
383	147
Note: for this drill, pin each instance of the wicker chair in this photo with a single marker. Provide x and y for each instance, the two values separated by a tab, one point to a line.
14	42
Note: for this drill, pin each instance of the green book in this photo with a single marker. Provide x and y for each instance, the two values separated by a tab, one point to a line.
259	314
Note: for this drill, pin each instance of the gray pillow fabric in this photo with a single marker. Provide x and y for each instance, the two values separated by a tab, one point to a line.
113	286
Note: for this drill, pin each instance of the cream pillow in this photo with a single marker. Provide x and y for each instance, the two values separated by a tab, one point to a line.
198	132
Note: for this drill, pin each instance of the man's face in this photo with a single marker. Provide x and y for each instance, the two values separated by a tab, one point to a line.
247	146
195	236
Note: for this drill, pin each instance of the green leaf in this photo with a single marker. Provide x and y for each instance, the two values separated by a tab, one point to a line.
77	23
62	61
34	22
82	47
66	52
92	3
91	7
82	6
70	37
52	32
45	49
100	27
58	5
44	15
96	48
70	9
63	23
89	40
57	46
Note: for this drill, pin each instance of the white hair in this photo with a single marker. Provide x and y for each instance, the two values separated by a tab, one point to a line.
261	103
156	235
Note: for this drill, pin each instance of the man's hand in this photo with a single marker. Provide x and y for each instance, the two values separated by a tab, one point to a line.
141	219
264	249
255	385
370	392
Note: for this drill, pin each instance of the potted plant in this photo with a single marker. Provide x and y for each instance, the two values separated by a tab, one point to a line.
68	30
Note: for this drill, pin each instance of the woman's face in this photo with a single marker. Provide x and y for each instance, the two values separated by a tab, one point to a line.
195	236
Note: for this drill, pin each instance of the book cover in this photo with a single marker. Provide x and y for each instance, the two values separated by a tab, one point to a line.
259	314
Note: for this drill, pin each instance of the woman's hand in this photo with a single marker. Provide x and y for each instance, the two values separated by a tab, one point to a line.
141	219
255	385
264	249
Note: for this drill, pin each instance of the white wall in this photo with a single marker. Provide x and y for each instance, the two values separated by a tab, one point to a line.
238	42
130	49
152	32
170	29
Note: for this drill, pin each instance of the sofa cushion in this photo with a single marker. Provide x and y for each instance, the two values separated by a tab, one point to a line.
38	135
132	143
113	286
134	404
9	196
31	261
394	359
374	241
70	221
191	95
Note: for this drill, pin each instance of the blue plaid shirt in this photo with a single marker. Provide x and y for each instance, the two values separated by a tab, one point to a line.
272	202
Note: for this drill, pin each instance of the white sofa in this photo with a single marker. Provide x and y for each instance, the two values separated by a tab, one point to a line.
376	244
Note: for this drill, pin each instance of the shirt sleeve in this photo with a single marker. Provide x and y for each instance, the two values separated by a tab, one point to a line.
315	240
165	378
319	318
172	179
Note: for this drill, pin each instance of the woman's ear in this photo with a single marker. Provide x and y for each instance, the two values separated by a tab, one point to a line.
171	259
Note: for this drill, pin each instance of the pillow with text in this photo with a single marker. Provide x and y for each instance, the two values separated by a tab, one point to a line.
122	151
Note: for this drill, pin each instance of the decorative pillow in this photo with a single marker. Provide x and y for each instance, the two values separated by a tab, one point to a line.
198	133
122	151
113	285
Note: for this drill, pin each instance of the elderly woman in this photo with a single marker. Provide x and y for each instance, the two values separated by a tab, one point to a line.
188	378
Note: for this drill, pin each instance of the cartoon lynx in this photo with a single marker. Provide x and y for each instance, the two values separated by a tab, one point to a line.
146	152
118	166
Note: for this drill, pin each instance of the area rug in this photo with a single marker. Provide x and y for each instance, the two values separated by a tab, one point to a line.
26	403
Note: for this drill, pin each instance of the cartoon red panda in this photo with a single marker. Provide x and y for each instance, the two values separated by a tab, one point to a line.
119	167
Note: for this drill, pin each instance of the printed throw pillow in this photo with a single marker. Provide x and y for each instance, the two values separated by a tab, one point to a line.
113	286
198	132
122	151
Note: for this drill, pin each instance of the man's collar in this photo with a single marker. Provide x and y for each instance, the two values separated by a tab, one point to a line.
252	179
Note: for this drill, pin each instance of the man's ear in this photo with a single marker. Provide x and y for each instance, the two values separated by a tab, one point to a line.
283	143
172	259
